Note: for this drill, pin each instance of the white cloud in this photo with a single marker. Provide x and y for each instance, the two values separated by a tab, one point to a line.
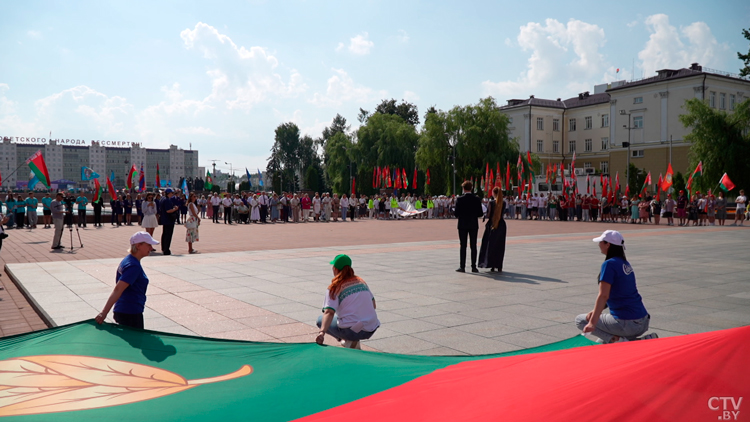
34	34
402	36
669	47
242	77
196	130
411	96
508	42
360	44
84	106
567	52
632	24
342	89
340	46
6	105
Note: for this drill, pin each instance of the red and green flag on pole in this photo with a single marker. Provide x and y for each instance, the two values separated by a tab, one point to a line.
667	182
39	167
131	174
209	181
158	179
646	185
97	190
111	186
725	184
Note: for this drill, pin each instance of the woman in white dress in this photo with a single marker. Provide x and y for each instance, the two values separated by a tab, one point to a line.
149	209
192	223
316	207
254	209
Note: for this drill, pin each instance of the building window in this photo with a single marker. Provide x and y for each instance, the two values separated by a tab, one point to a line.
712	99
556	124
510	120
572	125
732	100
605	120
636	153
587	164
638	100
540	123
539	145
722	101
555	146
587	145
572	146
588	122
604	167
638	122
605	144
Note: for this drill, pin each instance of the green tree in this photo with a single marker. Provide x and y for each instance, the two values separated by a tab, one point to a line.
338	152
244	186
678	182
386	140
405	110
745	71
636	179
434	152
230	186
312	179
720	140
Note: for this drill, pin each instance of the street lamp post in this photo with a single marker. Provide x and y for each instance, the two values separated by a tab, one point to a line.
231	174
627	144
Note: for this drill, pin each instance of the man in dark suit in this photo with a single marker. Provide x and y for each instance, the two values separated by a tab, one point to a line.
468	210
168	210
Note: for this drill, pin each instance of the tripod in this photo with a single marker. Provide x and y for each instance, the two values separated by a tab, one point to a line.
69	223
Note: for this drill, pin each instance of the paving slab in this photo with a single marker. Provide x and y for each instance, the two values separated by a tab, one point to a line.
423	304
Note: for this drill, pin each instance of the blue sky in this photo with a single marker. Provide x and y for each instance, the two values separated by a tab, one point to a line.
222	75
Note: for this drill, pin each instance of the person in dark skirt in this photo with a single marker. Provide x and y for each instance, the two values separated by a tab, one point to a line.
492	251
98	211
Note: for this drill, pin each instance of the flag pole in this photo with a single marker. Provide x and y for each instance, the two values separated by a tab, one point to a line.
12	173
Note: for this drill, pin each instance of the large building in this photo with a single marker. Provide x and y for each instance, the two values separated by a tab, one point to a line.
65	158
642	113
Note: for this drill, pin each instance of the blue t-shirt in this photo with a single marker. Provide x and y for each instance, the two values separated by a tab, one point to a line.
624	301
82	201
133	298
46	202
31	204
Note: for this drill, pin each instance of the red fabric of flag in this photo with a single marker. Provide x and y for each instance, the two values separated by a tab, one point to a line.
725	183
354	180
414	181
667	182
428	177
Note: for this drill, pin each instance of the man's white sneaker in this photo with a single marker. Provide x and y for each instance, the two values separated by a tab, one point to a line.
650	336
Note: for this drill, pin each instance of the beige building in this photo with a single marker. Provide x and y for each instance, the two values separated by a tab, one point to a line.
644	113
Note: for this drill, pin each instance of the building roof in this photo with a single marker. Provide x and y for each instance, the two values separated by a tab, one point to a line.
583	99
672	74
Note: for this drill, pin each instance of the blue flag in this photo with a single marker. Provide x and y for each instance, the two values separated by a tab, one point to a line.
184	187
88	174
33	181
249	181
260	178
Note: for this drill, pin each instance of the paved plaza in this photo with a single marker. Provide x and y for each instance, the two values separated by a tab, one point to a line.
267	283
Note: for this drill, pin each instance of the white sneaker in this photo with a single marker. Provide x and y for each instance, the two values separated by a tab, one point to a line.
347	344
650	336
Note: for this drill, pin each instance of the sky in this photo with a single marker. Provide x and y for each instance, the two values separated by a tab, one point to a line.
220	76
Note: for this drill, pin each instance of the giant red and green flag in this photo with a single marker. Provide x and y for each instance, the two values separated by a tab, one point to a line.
110	185
39	167
88	372
725	184
133	172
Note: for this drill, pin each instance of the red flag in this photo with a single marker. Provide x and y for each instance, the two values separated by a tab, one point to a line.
37	165
374	177
588	185
725	184
354	180
403	174
111	188
617	182
158	181
414	181
489	182
667	182
594	188
627	191
528	157
132	173
428	177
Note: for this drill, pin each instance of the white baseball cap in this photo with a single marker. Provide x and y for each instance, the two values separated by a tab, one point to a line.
611	236
142	237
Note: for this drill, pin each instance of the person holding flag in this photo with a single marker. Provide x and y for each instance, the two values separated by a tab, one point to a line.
97	202
739	214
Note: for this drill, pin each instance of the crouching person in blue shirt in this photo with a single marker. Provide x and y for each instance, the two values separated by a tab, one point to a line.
627	318
129	295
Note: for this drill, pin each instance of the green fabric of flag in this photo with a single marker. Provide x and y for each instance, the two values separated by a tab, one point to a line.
209	181
39	167
286	382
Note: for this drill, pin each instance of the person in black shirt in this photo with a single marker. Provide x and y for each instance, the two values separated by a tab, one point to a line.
168	212
468	209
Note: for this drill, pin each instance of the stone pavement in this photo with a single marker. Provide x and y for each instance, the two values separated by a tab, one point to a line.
692	280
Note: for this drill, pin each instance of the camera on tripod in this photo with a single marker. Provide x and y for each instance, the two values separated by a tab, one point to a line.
68	202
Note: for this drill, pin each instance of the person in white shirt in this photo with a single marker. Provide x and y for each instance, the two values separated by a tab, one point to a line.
254	208
227	203
284	202
344	204
263	203
326	207
215	203
543	207
739	214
